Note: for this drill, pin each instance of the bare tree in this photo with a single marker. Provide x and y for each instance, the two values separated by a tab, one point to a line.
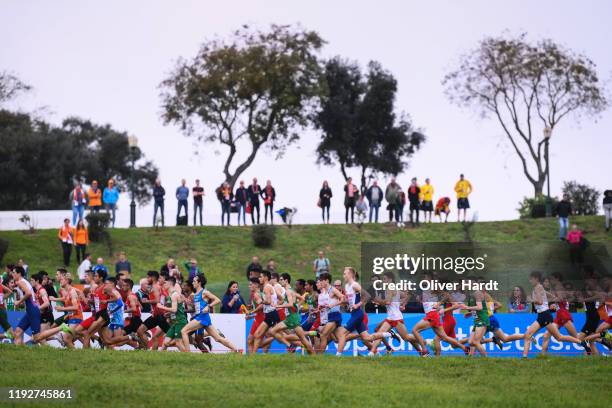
527	88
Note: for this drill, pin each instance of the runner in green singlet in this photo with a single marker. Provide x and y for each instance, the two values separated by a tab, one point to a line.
481	321
293	319
177	316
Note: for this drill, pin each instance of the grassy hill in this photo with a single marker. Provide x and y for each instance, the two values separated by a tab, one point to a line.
143	379
224	252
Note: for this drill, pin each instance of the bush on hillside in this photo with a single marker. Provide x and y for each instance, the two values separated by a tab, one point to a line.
263	235
4	244
584	198
535	207
97	223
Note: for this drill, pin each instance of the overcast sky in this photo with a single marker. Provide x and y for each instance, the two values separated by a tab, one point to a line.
104	60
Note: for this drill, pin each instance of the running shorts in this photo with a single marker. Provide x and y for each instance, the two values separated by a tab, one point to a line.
433	318
355	322
272	318
448	324
562	317
157	321
174	332
292	321
31	319
591	323
132	325
394	323
256	323
335	317
203	319
493	324
544	318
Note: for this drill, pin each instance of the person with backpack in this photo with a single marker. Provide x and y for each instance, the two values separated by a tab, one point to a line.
321	265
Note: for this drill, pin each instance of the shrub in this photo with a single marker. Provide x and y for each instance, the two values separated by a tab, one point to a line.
97	224
4	244
263	235
584	198
535	207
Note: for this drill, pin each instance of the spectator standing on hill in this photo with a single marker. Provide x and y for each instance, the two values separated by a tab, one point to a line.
122	264
158	201
110	196
607	207
100	268
84	267
182	194
351	192
321	265
254	191
391	193
443	206
564	210
374	194
254	268
463	188
94	194
81	240
225	196
361	208
67	240
575	238
269	195
242	197
517	303
232	300
325	195
78	199
414	198
400	203
427	192
191	267
198	202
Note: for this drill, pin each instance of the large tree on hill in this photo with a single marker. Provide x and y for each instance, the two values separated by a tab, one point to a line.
39	163
360	128
527	88
254	90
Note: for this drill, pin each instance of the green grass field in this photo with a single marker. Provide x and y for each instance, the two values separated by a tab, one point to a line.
223	253
147	379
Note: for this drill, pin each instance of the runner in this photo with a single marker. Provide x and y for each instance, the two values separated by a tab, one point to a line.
544	318
481	321
328	302
395	320
157	295
271	315
592	295
177	317
4	323
352	290
432	321
71	306
203	302
563	317
256	311
115	308
31	319
292	321
44	304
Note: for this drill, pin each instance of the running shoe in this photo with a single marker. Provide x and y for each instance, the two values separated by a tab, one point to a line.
586	347
291	348
430	344
498	342
207	343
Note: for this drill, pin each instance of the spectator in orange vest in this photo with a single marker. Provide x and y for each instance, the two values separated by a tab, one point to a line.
67	240
95	197
81	240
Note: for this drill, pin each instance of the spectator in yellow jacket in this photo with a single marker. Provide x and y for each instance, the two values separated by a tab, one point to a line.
94	194
427	192
463	188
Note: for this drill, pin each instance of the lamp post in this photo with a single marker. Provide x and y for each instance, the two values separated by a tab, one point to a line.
133	143
547	135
